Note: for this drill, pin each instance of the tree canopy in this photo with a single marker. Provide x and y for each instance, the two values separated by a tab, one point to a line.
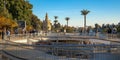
5	22
84	12
19	10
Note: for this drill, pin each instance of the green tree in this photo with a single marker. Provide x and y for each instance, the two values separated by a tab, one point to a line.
19	10
3	9
118	28
96	27
36	23
6	23
55	23
104	29
84	13
55	19
70	29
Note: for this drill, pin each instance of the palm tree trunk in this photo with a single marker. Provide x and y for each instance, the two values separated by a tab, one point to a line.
84	24
67	24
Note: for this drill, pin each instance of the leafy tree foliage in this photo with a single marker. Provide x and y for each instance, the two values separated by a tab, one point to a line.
70	29
20	10
37	24
5	22
97	27
57	25
118	27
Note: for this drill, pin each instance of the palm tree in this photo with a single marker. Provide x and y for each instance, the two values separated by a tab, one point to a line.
55	19
84	13
55	23
67	19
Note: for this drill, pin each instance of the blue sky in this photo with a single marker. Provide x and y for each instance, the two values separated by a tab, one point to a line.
101	11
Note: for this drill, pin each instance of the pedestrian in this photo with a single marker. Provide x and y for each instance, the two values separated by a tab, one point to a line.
2	35
8	34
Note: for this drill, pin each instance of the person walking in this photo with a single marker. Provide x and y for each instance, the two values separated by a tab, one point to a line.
2	35
8	34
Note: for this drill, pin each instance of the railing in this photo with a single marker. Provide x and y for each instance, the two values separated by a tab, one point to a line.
113	36
61	35
61	52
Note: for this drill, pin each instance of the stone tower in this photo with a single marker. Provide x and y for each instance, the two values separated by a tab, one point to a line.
46	24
